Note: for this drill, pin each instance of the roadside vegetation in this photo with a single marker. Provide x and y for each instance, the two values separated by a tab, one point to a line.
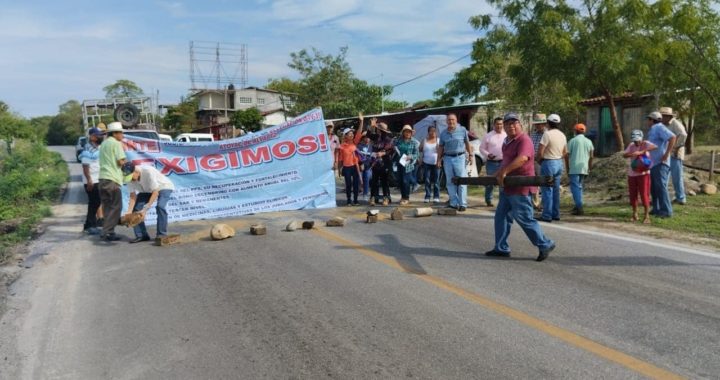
30	177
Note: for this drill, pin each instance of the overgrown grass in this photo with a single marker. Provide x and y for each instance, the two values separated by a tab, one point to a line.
30	179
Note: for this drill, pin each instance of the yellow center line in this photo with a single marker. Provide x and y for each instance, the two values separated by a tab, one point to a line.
567	336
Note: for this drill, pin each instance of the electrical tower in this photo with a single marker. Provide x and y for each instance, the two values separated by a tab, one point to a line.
221	63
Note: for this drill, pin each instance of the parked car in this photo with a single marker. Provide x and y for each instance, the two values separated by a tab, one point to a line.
194	137
80	146
164	137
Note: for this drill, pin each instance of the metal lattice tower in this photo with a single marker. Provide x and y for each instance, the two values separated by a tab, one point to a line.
223	63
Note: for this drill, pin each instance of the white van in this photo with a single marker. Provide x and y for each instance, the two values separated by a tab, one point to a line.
194	137
164	137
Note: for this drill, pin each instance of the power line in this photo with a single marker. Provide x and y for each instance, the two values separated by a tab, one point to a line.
432	71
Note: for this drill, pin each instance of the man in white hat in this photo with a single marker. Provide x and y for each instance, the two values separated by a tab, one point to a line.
112	158
664	139
678	153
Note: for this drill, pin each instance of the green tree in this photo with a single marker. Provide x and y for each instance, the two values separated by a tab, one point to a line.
327	81
67	125
684	57
123	88
181	118
554	50
12	127
250	119
40	126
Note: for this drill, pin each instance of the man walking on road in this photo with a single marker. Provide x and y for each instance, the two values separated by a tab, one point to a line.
491	150
678	153
578	162
112	158
455	152
515	203
664	139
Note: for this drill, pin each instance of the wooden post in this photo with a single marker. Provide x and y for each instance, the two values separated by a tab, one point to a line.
712	166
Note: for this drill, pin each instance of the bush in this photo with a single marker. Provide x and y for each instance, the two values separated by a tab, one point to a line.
30	179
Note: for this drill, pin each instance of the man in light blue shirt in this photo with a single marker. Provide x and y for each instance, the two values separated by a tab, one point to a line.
664	139
454	153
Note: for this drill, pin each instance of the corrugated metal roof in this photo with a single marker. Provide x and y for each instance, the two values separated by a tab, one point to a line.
423	110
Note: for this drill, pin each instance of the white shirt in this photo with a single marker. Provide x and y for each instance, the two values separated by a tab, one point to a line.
676	127
492	143
90	157
150	180
429	152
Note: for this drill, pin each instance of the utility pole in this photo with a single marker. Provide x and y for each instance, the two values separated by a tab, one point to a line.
382	95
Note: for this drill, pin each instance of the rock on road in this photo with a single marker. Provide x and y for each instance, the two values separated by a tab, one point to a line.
396	299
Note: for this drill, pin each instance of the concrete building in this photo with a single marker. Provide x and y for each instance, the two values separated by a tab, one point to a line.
216	107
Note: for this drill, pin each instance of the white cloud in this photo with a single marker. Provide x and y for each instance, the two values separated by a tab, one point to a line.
309	12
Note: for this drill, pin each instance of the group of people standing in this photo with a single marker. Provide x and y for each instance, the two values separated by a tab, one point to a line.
105	171
369	158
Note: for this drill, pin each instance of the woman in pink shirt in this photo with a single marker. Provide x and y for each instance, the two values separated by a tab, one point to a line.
639	173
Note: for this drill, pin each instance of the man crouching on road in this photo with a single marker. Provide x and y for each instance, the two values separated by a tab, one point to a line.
515	203
147	185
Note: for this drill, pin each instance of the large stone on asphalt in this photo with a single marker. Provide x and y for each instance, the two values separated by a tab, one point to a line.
708	188
447	211
292	226
258	229
336	222
423	211
308	224
396	214
221	231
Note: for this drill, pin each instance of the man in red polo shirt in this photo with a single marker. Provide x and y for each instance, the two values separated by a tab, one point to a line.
515	203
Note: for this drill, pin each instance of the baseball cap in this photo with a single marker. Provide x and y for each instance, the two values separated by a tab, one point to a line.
539	118
580	128
346	131
128	168
95	131
655	115
510	116
636	135
554	118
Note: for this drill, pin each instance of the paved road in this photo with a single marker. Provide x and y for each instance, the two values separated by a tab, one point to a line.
396	299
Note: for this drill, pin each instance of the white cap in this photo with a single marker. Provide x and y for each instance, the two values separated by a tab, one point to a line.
554	118
346	131
655	115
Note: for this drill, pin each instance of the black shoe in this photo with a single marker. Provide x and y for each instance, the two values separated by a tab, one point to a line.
578	211
462	208
100	222
111	237
546	220
556	219
495	253
139	239
489	204
544	254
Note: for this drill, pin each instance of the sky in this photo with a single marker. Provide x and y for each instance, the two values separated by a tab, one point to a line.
54	51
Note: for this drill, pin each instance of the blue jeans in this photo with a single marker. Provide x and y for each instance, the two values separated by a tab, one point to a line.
491	167
455	167
352	183
676	172
660	196
406	181
576	188
366	177
519	208
551	194
160	209
431	174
